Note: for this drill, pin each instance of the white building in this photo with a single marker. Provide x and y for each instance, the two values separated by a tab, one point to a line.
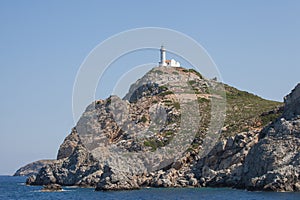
167	63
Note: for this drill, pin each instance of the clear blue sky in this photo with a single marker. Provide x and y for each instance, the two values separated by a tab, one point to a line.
42	44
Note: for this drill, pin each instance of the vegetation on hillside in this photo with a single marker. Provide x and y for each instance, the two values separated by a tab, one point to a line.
244	111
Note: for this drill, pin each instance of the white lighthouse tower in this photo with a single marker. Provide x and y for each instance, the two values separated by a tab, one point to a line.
164	62
162	57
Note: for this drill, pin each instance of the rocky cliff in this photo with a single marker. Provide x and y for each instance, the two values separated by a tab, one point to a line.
273	163
129	143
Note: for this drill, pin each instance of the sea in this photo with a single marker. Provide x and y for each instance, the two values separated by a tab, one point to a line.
15	188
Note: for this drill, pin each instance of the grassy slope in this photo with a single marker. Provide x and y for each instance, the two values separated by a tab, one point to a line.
244	111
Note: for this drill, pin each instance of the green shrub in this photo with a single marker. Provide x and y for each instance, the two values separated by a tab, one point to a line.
197	73
202	100
144	119
176	105
154	144
158	72
165	93
192	82
163	87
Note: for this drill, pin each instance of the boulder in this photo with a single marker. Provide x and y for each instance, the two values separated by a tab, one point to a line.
113	179
52	188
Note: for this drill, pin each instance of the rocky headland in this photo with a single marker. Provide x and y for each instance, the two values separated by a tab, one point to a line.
124	144
32	168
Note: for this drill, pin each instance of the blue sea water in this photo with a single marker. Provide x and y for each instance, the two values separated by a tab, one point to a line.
14	188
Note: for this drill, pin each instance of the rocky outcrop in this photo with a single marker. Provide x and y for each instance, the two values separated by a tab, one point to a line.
273	163
52	188
70	143
223	166
292	102
32	168
117	180
80	168
142	140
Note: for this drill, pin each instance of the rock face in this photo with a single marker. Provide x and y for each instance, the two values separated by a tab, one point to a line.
67	148
265	160
116	180
80	168
292	102
223	166
115	143
32	168
273	163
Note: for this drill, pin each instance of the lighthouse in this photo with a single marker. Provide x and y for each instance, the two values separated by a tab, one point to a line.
164	62
162	57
